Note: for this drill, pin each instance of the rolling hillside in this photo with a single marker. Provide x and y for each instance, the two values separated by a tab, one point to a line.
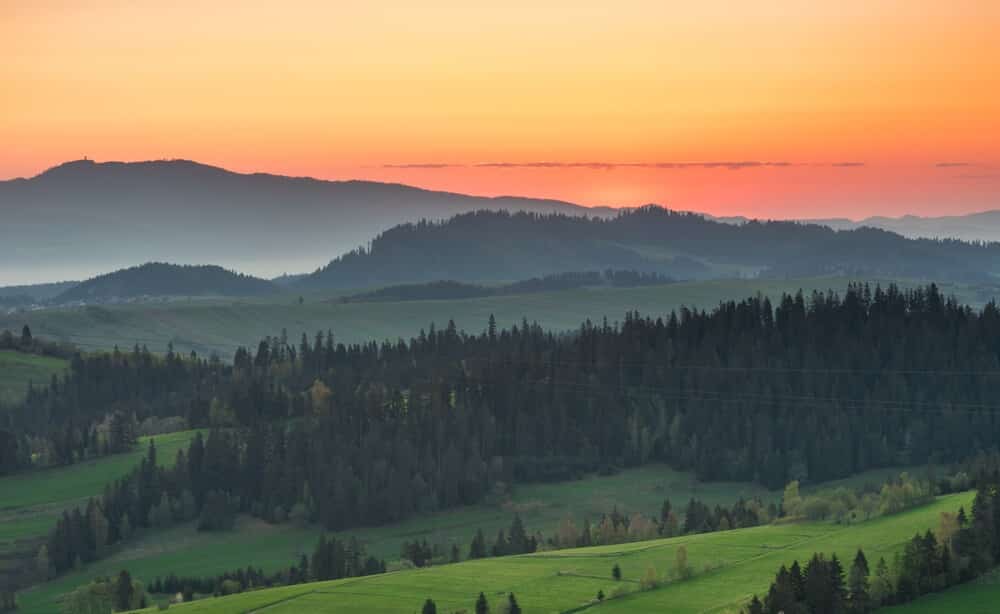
182	549
221	325
33	501
729	567
541	506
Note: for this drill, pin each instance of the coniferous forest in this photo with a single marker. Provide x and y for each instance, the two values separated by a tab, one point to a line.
499	245
811	388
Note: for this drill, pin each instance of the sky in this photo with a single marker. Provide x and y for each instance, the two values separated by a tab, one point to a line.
769	109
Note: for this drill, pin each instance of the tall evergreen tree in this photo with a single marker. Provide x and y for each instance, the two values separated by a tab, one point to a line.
858	584
482	606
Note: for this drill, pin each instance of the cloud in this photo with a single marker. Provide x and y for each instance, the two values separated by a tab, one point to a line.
733	165
424	165
730	165
952	164
591	165
982	177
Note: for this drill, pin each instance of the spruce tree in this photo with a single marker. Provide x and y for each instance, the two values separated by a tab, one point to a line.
482	606
858	585
123	591
781	596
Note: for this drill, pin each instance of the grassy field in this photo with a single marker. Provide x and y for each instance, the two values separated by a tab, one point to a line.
31	502
207	325
729	567
181	549
981	596
18	369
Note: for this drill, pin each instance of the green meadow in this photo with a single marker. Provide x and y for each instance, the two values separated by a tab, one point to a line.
183	550
981	596
221	325
17	370
728	568
31	502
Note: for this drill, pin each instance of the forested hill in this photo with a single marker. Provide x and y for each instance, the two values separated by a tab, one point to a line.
161	279
488	245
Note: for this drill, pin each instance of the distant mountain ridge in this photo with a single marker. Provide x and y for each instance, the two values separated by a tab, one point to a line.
158	279
497	246
83	218
983	226
37	292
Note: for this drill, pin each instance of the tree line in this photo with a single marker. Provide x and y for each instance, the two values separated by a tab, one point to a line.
332	559
810	390
959	550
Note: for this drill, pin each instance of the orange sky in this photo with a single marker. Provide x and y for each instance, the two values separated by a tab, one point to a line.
342	89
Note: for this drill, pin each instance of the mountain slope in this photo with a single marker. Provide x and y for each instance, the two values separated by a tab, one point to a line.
161	279
83	218
501	246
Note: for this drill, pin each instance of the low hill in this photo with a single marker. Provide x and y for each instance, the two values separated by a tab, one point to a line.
496	246
161	279
82	218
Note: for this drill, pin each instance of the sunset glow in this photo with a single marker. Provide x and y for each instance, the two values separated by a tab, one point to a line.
886	107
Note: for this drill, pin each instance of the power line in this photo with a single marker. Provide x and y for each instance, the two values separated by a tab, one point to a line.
802	401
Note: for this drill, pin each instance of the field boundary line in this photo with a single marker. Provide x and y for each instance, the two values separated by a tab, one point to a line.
278	602
716	570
